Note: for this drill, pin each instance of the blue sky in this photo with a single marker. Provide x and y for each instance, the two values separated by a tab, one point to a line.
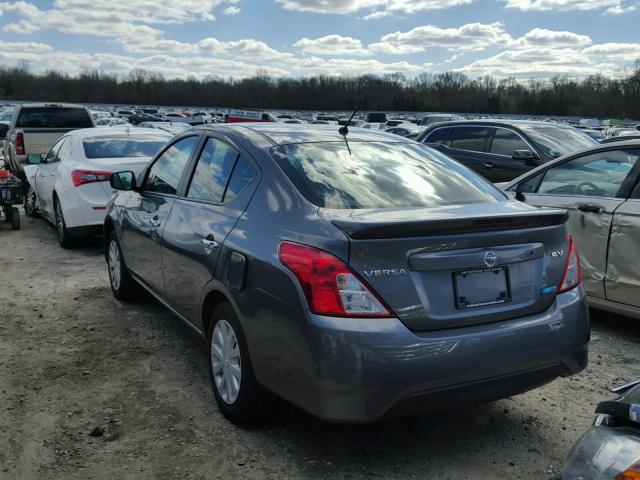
178	38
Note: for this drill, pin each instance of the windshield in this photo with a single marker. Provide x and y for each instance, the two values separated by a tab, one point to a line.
380	175
123	146
555	141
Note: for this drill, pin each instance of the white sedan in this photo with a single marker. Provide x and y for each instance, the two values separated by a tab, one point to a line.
70	185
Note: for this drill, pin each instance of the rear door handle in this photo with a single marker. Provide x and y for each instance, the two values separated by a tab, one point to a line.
155	222
591	209
487	165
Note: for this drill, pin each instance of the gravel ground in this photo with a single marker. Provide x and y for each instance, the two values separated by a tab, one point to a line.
91	388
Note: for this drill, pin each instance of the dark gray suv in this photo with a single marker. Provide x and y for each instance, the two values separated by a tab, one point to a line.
355	275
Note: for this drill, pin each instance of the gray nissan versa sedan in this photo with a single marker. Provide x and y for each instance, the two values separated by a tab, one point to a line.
356	275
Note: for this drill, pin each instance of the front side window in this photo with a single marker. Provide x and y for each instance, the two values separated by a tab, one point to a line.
164	176
380	175
596	175
439	135
213	171
52	156
505	142
469	138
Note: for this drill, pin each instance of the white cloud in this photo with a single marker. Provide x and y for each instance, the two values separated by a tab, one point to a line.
541	37
615	52
560	5
332	45
376	8
231	11
469	37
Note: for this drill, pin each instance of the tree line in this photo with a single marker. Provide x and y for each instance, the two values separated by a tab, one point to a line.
596	95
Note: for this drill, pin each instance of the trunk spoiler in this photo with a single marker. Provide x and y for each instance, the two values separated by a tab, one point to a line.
372	229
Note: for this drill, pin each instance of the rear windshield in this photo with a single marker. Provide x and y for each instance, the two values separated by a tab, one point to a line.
555	141
380	175
123	146
54	117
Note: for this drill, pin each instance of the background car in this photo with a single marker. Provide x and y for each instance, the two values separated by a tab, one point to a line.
610	449
501	150
171	127
356	275
35	127
69	186
600	189
111	122
404	130
434	118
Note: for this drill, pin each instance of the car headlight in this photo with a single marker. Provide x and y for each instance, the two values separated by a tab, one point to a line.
605	453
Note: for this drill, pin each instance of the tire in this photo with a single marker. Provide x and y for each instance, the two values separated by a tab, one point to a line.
230	366
123	286
30	203
15	218
64	237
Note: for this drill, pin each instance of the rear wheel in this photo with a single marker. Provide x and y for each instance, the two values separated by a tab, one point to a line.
240	397
64	237
123	286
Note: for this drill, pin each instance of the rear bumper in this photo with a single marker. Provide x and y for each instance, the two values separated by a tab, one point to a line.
366	369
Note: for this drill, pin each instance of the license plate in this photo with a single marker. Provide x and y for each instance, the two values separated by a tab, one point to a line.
481	287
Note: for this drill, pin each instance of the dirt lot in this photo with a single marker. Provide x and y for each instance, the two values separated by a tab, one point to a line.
72	359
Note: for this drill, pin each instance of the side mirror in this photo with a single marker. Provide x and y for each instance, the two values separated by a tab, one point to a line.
123	181
519	195
527	156
35	158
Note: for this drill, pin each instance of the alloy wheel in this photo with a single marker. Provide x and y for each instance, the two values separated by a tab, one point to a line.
114	265
225	361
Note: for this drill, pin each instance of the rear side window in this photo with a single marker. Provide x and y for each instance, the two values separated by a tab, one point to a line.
243	175
380	175
213	171
54	117
505	142
164	175
469	138
439	135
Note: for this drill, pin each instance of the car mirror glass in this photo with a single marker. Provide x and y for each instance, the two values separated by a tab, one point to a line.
123	181
35	158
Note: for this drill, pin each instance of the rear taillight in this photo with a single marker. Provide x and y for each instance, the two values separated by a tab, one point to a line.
330	287
19	144
80	177
572	275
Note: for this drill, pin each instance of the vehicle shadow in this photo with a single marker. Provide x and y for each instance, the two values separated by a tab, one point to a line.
616	324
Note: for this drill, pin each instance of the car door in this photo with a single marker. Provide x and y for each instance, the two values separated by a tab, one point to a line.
46	177
218	192
622	280
591	188
500	166
468	145
148	209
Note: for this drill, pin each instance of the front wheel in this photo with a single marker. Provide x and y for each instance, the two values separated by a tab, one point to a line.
30	202
123	286
15	218
240	397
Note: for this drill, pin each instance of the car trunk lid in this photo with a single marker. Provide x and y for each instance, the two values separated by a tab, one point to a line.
458	265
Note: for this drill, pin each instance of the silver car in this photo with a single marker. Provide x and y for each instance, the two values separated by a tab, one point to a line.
600	189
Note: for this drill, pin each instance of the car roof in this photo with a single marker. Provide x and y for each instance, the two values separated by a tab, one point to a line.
51	104
500	122
288	133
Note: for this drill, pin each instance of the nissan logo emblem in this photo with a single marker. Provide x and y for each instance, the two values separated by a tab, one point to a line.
490	259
